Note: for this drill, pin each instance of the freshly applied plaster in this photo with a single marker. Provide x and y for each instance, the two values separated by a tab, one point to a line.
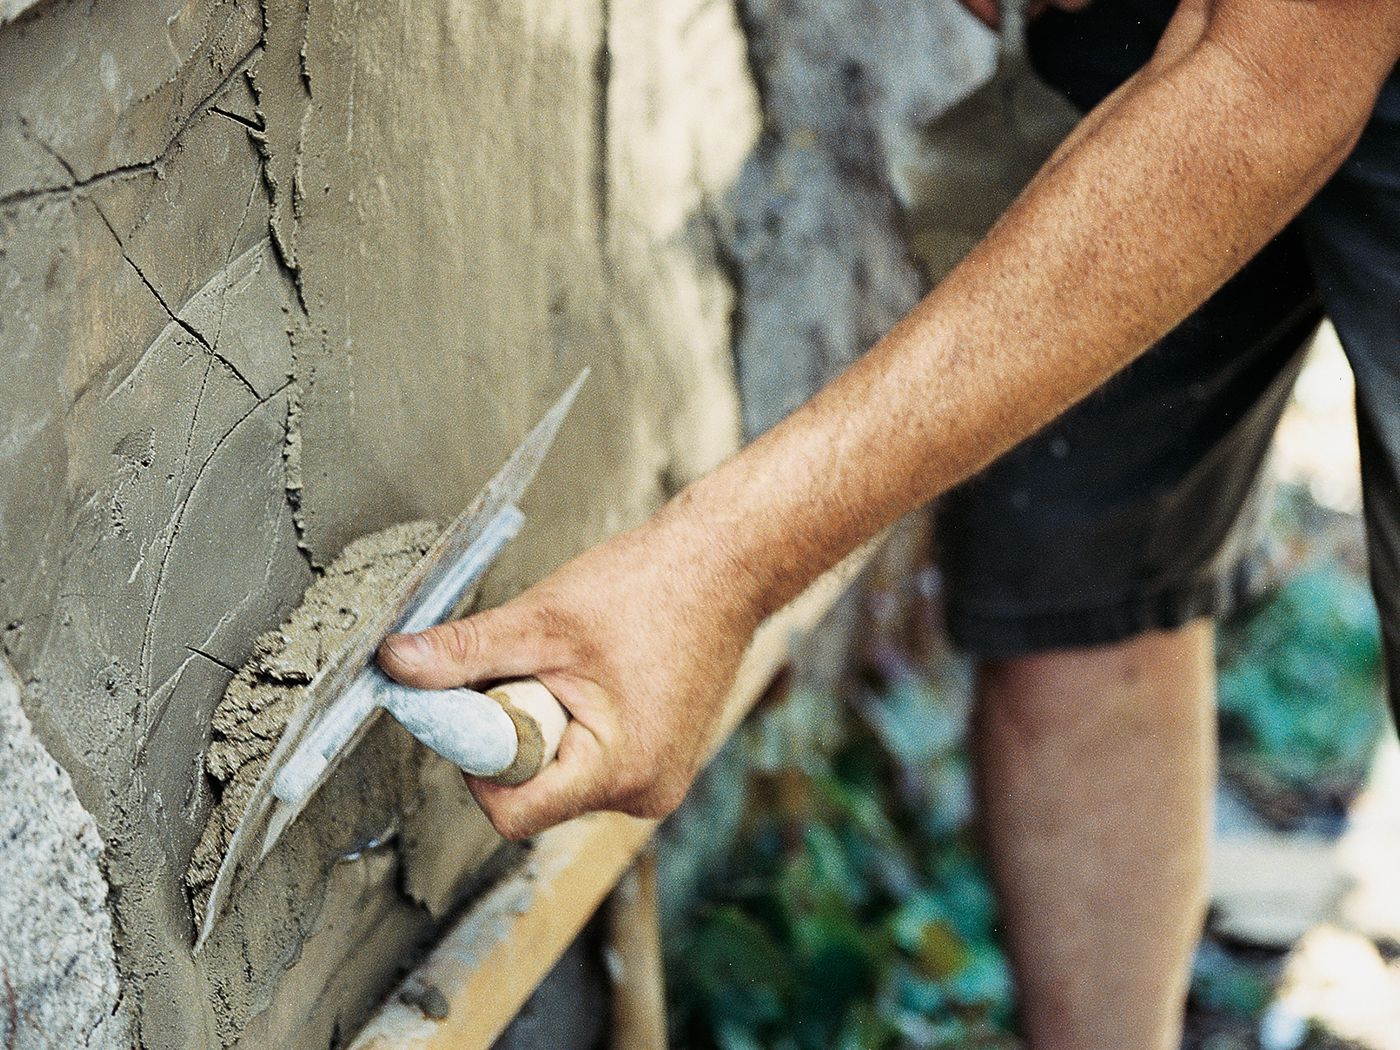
271	686
277	274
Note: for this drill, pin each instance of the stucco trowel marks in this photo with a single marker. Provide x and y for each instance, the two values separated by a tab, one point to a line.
412	227
265	692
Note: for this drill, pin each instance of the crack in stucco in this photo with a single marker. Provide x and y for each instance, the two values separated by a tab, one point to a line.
251	125
228	277
284	232
292	481
173	527
602	80
82	186
157	705
212	659
175	317
190	329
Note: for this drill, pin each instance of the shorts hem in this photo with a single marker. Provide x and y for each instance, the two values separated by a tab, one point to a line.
1008	632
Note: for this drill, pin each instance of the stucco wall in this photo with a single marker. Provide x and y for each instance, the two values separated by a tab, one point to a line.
274	276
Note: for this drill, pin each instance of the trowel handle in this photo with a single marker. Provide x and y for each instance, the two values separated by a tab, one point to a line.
540	721
505	736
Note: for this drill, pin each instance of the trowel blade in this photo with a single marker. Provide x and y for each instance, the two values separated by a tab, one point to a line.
266	817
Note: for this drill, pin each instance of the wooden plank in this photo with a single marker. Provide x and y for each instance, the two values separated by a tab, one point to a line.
488	964
635	967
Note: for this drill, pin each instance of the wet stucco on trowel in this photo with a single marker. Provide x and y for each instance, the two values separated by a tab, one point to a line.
268	689
276	276
355	833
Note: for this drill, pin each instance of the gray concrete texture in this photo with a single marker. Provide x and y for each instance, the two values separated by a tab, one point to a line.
279	274
58	980
273	277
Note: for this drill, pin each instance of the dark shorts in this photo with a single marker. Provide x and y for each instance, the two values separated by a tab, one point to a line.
1139	508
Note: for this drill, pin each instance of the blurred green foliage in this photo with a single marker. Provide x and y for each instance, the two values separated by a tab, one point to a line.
1300	681
834	895
1236	987
844	917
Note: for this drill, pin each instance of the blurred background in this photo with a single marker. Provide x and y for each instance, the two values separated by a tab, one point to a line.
825	886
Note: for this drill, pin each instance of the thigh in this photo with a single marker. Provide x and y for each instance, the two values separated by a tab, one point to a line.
1138	509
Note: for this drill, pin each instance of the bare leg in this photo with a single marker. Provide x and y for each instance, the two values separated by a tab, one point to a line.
1096	771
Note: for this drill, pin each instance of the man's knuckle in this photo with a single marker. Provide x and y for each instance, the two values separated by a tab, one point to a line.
461	641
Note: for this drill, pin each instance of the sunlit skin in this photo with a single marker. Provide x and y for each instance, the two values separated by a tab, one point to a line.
1159	196
989	11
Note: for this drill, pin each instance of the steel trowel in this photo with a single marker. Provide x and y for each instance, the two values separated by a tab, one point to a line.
506	734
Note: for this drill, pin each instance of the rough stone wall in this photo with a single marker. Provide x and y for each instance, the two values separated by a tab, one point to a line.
820	258
57	974
274	275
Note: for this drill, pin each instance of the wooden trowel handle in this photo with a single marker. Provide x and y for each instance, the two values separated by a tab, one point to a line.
540	721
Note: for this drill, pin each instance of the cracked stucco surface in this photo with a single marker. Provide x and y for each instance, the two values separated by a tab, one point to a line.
274	276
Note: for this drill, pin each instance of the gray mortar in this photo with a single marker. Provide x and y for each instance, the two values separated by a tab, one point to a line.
857	97
58	978
269	688
272	277
282	280
816	246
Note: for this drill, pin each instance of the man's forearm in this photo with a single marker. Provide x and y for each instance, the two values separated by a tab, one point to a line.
1150	207
1128	228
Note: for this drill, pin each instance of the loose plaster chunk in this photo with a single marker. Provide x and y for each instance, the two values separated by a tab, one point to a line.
58	976
262	696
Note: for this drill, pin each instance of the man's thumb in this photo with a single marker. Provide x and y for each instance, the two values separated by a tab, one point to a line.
481	647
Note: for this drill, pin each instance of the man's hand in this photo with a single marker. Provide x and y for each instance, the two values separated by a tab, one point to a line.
638	638
1160	195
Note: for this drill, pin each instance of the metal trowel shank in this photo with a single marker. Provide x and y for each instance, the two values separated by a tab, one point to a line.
347	693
